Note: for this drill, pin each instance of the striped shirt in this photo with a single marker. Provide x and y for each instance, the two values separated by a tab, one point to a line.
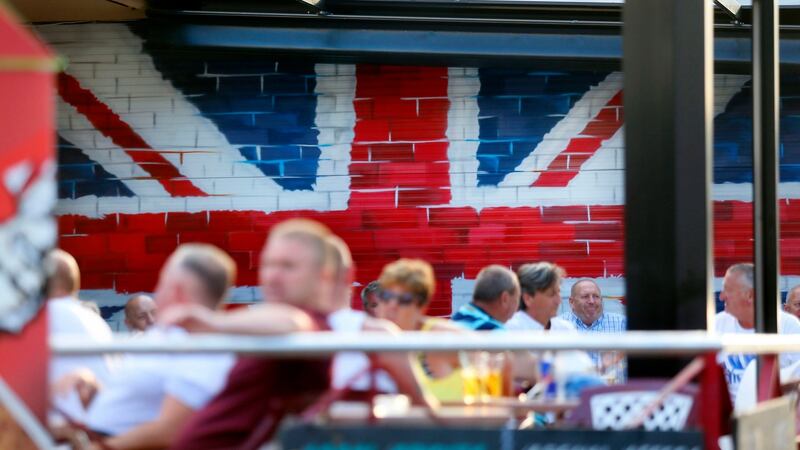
475	318
606	323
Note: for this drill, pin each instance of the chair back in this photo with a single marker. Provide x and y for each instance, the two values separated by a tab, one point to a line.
617	407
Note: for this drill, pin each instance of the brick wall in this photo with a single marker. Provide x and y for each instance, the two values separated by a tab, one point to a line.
460	166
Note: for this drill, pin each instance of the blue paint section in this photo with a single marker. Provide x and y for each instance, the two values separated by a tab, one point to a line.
107	312
733	136
517	108
264	107
79	175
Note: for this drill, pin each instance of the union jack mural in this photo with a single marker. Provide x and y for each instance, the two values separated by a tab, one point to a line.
460	166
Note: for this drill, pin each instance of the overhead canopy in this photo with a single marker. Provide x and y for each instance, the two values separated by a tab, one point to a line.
561	33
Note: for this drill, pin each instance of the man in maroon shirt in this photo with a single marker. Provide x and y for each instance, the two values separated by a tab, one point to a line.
297	273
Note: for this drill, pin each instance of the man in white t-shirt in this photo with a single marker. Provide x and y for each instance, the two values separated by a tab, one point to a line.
67	317
738	317
148	398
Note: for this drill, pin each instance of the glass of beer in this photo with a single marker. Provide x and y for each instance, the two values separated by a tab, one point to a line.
473	370
493	378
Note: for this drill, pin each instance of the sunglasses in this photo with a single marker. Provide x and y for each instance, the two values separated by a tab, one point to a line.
403	299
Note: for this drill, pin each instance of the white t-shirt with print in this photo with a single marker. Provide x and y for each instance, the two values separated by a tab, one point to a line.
136	390
735	364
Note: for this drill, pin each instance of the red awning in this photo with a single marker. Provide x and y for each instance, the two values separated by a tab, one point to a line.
27	140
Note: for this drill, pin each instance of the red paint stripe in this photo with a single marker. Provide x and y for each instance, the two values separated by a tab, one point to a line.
112	126
568	163
126	251
400	137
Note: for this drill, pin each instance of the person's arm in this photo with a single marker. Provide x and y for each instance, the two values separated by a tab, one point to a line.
158	433
83	381
399	366
267	318
525	367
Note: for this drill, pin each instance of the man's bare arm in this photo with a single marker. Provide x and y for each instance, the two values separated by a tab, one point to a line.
262	319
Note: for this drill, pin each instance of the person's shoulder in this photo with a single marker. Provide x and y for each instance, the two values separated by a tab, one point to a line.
375	324
790	324
568	316
516	322
616	321
725	323
615	316
69	316
347	319
439	324
462	314
560	324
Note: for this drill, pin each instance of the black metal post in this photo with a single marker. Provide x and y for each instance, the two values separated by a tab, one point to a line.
766	223
668	67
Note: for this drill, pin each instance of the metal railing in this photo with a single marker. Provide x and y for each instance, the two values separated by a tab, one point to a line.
322	343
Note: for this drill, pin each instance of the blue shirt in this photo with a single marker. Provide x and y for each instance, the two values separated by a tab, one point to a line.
474	318
606	323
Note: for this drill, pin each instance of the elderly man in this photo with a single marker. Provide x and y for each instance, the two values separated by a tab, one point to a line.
140	313
495	299
587	315
792	305
739	316
586	309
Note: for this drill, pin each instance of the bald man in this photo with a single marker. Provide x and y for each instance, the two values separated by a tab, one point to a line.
68	317
792	305
140	313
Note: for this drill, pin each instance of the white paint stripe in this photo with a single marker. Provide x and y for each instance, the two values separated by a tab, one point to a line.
212	163
181	125
102	150
336	129
557	139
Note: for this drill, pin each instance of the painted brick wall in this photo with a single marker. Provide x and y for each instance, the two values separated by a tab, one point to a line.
460	166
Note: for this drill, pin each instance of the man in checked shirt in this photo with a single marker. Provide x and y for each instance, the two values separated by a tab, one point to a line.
586	313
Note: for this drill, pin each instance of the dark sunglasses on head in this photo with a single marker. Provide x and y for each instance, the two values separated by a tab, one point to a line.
403	299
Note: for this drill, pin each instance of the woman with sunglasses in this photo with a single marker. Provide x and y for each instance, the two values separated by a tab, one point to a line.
406	288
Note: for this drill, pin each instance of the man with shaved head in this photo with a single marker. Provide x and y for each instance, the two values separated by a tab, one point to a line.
140	313
792	305
68	317
148	397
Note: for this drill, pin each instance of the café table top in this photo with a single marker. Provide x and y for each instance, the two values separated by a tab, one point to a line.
525	404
